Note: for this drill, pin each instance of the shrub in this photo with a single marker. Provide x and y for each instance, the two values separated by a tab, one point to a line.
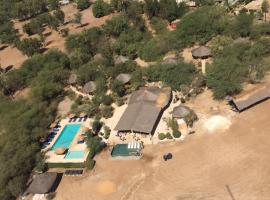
90	163
96	126
176	134
101	8
50	196
107	111
29	46
118	88
161	136
169	136
107	132
158	25
107	100
64	32
83	4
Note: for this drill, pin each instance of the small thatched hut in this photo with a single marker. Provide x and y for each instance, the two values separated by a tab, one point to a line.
202	52
89	87
123	78
72	79
181	111
43	183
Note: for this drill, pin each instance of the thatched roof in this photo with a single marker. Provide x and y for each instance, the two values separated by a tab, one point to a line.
249	100
89	87
120	59
72	79
145	106
254	5
123	78
60	151
43	183
181	111
201	52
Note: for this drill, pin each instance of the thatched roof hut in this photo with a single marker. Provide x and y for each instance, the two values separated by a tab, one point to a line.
43	183
123	78
201	52
144	109
181	111
72	79
89	87
60	151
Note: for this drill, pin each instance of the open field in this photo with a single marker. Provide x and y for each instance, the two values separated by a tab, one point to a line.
204	166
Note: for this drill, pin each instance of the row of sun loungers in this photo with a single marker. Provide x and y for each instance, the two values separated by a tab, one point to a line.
73	172
77	119
51	136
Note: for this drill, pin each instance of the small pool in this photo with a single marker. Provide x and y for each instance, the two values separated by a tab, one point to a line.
66	136
74	154
122	150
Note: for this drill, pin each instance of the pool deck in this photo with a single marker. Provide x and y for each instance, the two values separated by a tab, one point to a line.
53	158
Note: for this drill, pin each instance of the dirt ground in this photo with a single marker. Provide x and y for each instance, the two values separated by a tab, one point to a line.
230	164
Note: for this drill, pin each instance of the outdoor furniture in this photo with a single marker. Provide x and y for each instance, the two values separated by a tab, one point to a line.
70	120
85	118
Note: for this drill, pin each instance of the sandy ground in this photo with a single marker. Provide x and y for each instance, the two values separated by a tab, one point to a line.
230	164
11	56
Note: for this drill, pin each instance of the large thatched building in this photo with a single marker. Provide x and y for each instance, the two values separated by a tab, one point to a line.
44	183
251	99
144	110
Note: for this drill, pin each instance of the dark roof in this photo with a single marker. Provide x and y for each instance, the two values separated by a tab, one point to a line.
123	78
89	87
143	109
181	111
72	79
243	103
43	183
139	117
159	97
201	52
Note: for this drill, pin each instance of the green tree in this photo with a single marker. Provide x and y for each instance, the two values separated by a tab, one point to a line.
265	8
83	4
78	18
243	24
116	25
101	8
29	46
60	15
152	8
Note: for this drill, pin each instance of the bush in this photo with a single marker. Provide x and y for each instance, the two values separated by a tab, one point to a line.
176	134
65	165
90	163
29	46
64	32
161	136
107	100
83	4
96	126
107	112
107	132
158	25
116	25
101	8
50	196
169	136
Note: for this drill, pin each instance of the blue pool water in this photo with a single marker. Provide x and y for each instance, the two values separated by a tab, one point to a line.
74	154
66	136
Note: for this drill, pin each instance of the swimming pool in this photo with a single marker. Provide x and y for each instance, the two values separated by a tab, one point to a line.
66	136
74	154
123	150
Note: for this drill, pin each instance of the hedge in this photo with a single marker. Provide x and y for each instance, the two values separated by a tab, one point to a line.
66	165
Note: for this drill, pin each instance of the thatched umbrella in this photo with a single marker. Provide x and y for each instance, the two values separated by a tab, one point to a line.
201	52
80	138
72	79
83	114
60	151
120	59
89	87
53	125
84	129
71	115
